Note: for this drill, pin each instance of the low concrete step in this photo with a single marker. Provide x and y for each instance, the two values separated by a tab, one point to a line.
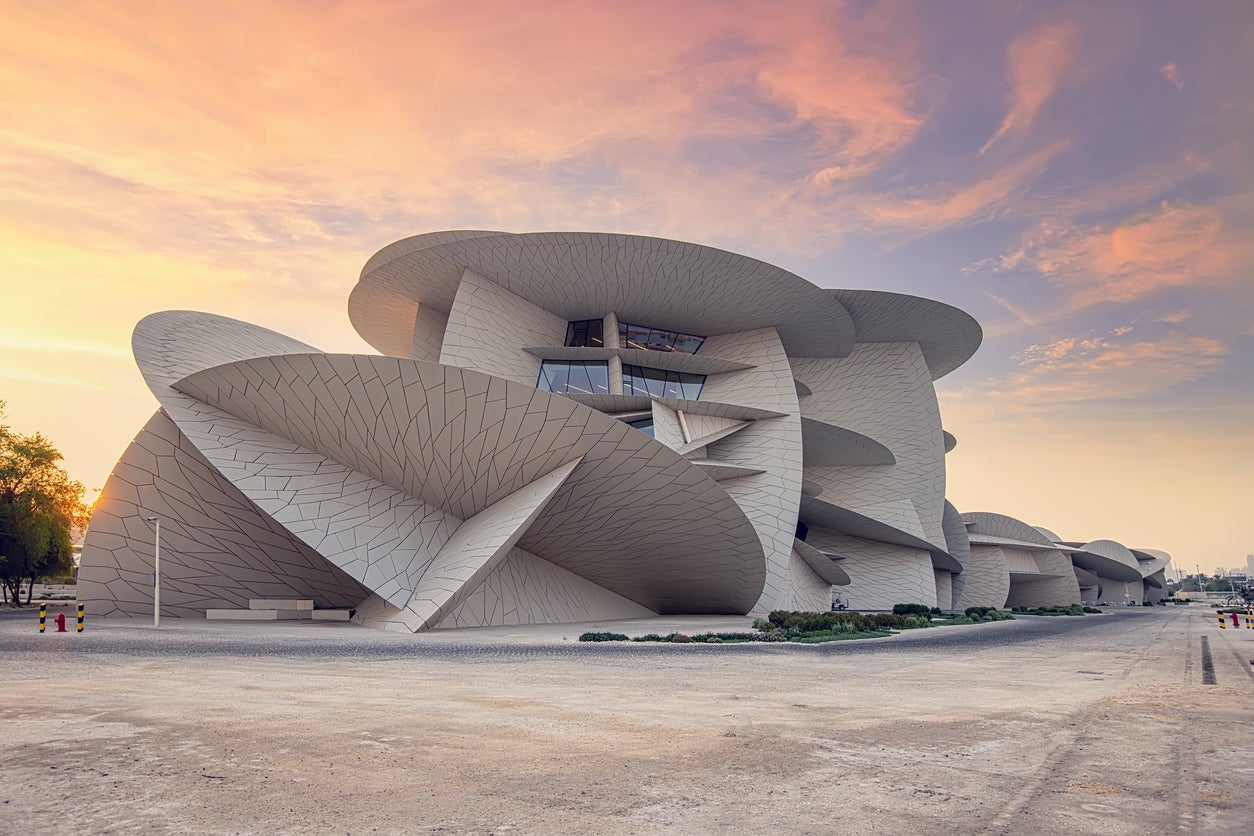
280	604
258	615
332	615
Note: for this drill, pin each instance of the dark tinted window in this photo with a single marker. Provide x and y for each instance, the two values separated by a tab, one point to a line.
644	338
585	332
579	377
645	425
660	383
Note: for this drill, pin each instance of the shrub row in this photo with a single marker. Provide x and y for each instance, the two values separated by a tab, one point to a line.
916	609
1073	609
834	622
674	638
602	637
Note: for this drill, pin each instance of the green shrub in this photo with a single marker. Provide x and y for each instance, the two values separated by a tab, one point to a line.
1091	609
977	612
911	609
936	611
603	637
775	635
680	638
1070	609
761	624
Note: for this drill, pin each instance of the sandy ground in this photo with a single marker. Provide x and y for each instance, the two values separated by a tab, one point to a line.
1064	725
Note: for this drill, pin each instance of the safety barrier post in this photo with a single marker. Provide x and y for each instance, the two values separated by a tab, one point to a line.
43	614
1223	625
80	618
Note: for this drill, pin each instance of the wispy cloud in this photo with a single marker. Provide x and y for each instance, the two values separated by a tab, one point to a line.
1068	371
1173	244
264	123
1172	74
948	207
1037	59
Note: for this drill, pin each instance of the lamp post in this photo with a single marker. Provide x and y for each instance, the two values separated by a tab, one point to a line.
156	572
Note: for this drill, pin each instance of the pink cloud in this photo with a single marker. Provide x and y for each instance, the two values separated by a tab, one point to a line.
955	205
1174	244
1073	376
1038	59
1172	74
1076	369
262	108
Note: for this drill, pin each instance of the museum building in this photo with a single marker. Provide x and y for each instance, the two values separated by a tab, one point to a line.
566	427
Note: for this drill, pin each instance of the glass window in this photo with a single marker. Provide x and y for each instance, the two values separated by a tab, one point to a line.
585	332
577	377
659	383
655	339
645	425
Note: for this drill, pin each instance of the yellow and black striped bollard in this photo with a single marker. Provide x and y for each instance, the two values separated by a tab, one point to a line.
80	618
1222	624
43	614
1249	620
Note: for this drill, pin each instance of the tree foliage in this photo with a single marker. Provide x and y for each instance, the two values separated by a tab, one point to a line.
39	507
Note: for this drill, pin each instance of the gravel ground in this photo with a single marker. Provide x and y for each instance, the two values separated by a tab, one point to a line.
1073	725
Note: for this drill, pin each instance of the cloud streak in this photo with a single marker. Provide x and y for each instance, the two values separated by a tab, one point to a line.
1073	369
1172	245
1037	61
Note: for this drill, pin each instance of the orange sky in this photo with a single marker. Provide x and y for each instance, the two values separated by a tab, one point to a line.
1076	176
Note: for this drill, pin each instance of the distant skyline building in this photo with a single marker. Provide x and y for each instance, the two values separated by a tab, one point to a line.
569	427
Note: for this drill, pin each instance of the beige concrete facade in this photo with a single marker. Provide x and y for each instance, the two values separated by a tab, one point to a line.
560	427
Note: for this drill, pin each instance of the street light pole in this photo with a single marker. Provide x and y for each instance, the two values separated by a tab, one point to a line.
156	573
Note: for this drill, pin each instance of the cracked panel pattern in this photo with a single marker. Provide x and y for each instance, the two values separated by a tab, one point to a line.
944	588
666	427
472	552
525	589
217	549
391	320
882	391
634	516
957	543
457	493
770	499
1058	589
947	335
429	328
985	577
984	581
1121	592
880	574
488	327
382	537
325	442
804	590
664	284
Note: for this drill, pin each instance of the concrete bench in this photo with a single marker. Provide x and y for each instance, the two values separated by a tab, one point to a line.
258	615
280	604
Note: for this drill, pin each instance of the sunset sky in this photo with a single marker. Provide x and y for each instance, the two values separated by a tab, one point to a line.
1078	176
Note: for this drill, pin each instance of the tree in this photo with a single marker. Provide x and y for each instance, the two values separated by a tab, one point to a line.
39	505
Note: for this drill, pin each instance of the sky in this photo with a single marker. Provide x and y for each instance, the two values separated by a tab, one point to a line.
1077	176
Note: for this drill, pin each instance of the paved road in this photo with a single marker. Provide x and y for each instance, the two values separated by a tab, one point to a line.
298	640
1060	725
